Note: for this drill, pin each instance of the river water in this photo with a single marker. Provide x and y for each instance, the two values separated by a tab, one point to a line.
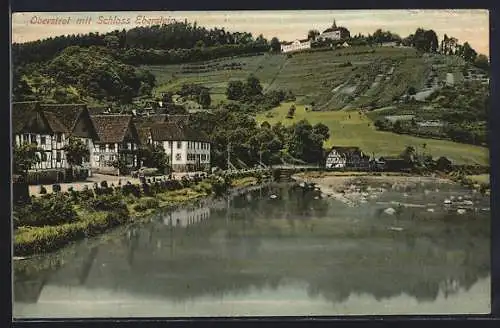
275	251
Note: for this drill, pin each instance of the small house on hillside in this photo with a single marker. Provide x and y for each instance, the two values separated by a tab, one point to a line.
117	139
347	158
296	45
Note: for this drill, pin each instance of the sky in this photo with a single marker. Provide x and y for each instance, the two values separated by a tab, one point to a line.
465	25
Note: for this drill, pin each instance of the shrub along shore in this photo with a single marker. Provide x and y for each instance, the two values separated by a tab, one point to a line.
52	221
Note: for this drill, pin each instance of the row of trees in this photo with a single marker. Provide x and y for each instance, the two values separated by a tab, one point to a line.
250	92
250	142
176	35
464	132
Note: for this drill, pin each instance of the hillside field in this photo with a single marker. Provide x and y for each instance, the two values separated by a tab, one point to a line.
359	131
356	76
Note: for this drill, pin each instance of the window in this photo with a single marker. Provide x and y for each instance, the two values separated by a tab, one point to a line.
42	140
59	137
107	148
25	138
203	157
58	156
178	157
179	145
97	148
96	158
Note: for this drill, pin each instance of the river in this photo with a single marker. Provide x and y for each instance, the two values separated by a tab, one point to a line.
277	251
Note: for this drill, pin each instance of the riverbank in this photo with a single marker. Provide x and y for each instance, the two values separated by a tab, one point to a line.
346	186
100	213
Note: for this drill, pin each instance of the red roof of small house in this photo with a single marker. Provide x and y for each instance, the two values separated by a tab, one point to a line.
113	128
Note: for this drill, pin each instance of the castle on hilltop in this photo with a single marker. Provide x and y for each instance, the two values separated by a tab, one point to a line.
335	33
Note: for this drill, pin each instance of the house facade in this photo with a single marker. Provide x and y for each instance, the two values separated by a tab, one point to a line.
76	119
296	45
50	126
347	158
117	138
187	150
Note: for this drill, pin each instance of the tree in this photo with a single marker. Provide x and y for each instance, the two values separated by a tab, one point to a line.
425	40
234	90
112	41
291	111
275	45
25	157
312	34
252	87
412	91
265	125
397	127
204	98
153	156
467	53
409	154
482	62
166	98
322	130
76	152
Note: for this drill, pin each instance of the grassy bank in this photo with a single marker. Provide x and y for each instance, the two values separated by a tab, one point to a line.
93	215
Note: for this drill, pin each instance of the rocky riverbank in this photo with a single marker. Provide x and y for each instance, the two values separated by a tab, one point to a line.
358	189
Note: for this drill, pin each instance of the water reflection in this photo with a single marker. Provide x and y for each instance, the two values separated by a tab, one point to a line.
255	242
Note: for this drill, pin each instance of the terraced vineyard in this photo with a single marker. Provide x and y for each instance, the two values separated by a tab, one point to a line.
333	79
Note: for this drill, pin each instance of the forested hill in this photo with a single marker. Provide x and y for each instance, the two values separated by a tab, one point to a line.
140	41
78	74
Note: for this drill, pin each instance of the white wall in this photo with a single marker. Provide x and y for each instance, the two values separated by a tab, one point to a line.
188	152
335	160
51	147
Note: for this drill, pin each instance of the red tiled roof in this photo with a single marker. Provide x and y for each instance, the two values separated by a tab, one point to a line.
111	128
174	132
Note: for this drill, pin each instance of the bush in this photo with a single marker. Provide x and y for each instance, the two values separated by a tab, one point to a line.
43	190
146	203
56	188
130	189
220	185
107	203
104	184
50	210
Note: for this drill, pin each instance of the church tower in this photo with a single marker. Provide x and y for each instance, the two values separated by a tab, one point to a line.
334	24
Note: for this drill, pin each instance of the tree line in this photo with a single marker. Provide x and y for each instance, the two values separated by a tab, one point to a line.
250	142
176	35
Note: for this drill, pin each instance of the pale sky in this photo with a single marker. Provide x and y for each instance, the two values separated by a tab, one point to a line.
466	25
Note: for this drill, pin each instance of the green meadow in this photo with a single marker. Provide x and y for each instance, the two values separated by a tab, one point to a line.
358	130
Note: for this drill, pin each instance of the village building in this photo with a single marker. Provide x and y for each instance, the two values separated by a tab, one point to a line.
117	139
390	44
76	119
296	45
395	164
187	149
347	158
335	33
50	126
